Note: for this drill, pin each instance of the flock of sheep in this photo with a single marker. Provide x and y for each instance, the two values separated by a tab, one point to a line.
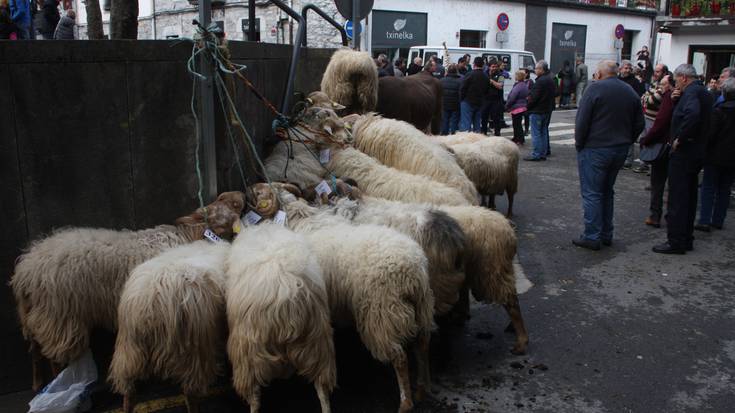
372	225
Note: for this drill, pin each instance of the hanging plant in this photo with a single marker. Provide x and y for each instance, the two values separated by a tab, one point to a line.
676	8
715	7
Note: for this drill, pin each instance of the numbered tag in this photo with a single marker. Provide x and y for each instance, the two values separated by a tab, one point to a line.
325	156
280	218
252	218
208	234
323	188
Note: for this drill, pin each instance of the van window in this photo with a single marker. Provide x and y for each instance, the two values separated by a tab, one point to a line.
428	55
527	62
414	54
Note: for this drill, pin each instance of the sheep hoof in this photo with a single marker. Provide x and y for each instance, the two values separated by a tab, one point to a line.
406	406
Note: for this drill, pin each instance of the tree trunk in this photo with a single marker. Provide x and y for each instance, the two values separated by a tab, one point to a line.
124	19
94	20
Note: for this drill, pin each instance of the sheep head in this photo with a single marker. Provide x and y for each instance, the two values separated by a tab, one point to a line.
219	216
322	100
324	127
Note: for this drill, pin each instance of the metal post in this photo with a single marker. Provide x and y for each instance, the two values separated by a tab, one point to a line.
251	18
206	102
356	24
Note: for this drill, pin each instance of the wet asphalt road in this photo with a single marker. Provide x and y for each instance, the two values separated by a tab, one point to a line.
619	330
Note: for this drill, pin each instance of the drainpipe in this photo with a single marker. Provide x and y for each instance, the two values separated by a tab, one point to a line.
154	19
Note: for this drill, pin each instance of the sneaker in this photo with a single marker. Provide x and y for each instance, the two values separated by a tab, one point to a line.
627	166
640	169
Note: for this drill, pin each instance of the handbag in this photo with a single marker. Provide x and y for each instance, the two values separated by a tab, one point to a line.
518	110
653	152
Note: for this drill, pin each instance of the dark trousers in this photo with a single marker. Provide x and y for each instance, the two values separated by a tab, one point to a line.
526	121
518	135
682	206
450	121
659	174
492	111
716	184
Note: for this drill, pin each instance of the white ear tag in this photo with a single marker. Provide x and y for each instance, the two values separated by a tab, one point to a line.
252	218
208	234
324	156
280	218
237	227
323	188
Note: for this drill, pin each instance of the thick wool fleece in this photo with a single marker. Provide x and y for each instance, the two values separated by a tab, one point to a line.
352	81
171	319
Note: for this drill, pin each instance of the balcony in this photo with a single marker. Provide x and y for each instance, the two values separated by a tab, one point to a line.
701	8
624	4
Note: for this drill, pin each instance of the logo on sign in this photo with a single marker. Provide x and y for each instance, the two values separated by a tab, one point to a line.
568	42
399	33
399	24
568	34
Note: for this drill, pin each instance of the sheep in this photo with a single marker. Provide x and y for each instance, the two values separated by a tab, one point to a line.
278	313
351	79
489	250
171	321
368	269
70	282
491	163
400	145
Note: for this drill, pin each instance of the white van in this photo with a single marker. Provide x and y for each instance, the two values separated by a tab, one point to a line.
514	59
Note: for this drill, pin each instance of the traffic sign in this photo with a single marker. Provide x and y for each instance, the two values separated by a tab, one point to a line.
619	31
344	7
348	28
503	21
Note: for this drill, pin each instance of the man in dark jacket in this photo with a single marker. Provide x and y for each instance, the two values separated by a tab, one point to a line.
50	19
626	75
609	119
688	132
719	165
472	96
450	100
493	108
65	28
540	105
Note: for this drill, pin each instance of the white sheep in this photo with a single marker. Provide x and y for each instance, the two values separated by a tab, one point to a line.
491	163
376	280
351	79
401	146
171	321
278	313
71	281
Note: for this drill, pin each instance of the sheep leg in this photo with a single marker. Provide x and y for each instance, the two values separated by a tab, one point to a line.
37	366
421	349
192	403
253	399
400	365
509	214
491	201
514	311
128	402
323	394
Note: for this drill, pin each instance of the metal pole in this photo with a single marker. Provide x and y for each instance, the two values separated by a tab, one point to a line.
251	18
356	24
206	102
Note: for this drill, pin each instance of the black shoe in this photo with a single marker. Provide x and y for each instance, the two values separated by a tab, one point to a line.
666	248
585	243
533	159
703	228
607	242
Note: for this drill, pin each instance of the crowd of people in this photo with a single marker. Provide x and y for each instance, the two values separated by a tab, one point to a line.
683	128
35	19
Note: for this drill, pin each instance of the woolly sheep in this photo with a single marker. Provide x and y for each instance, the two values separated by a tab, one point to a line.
351	79
278	313
369	269
70	282
400	145
491	163
171	321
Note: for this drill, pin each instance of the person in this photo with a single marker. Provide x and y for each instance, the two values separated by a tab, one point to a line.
626	75
462	66
516	105
385	68
493	109
651	101
475	86
438	72
50	19
400	67
451	84
416	66
719	166
540	105
659	132
20	13
643	53
566	79
65	28
689	124
608	120
727	73
581	73
8	29
529	84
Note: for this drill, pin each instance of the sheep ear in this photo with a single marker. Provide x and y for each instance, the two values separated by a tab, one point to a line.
292	189
328	129
337	106
191	219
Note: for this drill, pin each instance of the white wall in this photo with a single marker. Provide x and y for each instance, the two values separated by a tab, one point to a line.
600	31
676	49
446	18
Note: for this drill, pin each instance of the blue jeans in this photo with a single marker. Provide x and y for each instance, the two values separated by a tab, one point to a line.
450	121
471	117
540	134
598	169
715	194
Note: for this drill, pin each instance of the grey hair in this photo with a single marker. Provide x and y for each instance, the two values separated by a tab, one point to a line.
543	64
728	88
608	67
685	70
730	71
626	63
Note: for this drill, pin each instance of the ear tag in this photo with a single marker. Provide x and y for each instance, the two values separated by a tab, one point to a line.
323	188
280	218
237	227
325	156
263	204
252	218
208	234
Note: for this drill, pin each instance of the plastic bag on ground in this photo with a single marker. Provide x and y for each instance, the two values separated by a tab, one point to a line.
67	393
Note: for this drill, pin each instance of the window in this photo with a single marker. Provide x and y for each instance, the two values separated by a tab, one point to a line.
428	55
527	62
501	58
472	38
